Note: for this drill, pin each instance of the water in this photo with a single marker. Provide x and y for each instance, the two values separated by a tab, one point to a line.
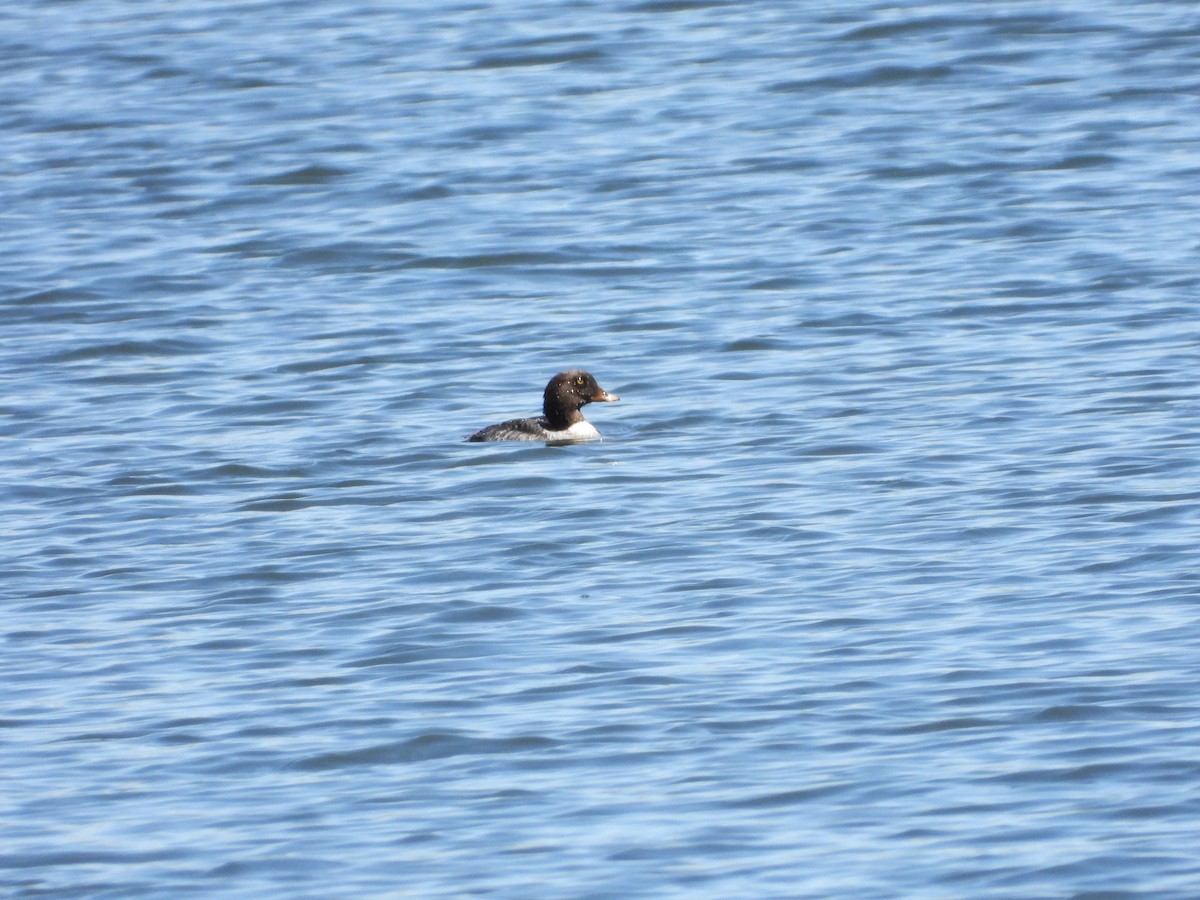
883	583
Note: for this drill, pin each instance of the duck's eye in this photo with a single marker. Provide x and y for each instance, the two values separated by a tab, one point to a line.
579	381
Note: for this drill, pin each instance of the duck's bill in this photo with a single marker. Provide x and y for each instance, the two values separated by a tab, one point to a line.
602	396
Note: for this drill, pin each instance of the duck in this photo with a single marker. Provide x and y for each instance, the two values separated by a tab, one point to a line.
561	420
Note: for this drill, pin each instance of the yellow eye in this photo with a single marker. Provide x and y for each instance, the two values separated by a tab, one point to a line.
579	381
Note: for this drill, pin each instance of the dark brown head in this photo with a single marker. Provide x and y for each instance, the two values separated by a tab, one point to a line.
567	393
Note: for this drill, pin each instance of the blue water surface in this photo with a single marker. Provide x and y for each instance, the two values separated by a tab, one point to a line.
884	581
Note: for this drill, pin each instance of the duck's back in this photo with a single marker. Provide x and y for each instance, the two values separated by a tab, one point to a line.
533	429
